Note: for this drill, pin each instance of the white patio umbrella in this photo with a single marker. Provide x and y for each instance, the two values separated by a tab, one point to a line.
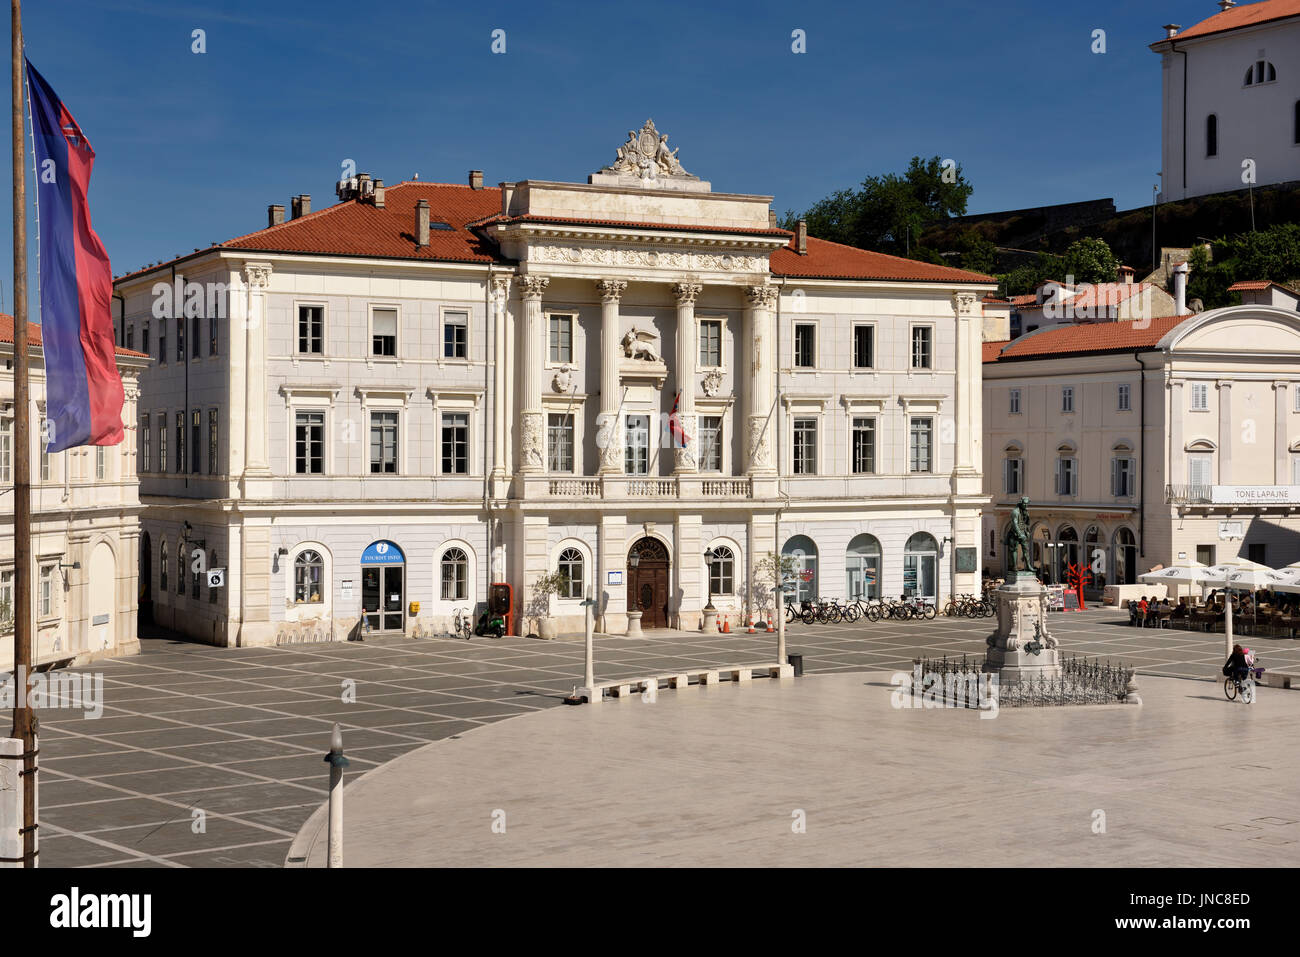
1218	574
1184	573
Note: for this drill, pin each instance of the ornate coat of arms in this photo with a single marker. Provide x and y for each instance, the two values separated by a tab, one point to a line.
646	156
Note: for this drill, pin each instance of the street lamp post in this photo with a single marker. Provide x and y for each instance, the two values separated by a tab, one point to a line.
633	613
710	613
588	689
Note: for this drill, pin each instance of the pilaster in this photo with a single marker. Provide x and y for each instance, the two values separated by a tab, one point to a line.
684	458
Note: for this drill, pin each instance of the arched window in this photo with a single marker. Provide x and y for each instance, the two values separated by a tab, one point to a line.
1261	71
1124	562
162	567
802	552
308	571
454	572
212	563
862	567
722	571
921	566
180	568
570	566
1212	135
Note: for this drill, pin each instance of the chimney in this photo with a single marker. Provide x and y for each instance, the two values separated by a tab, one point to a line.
801	238
1226	5
379	194
274	215
363	185
771	219
300	205
1126	274
1171	30
422	223
1180	289
476	179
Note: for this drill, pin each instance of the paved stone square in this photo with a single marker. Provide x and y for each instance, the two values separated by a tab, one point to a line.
239	734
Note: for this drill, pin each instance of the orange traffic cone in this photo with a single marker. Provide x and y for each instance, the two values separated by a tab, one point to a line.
750	629
770	627
726	624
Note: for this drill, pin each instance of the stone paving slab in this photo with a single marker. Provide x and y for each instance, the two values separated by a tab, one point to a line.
629	783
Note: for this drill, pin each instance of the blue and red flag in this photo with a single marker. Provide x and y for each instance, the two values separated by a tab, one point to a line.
83	402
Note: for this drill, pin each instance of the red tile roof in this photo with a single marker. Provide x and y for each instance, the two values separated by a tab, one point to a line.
1254	285
576	221
827	260
1029	299
34	336
1108	294
1247	15
1087	338
991	349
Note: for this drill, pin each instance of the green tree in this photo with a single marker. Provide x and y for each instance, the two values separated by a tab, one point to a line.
1089	260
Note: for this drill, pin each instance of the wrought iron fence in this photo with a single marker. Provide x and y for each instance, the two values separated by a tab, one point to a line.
1082	681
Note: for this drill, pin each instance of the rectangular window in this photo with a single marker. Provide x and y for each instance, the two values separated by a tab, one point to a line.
1124	399
383	442
1200	394
144	339
383	332
561	342
196	442
180	443
44	440
6	451
146	442
1014	404
710	343
1295	470
309	443
1200	468
212	336
864	446
311	330
100	463
1067	398
163	461
1013	476
1067	480
710	443
559	442
864	347
45	596
1257	552
920	451
1122	469
6	601
180	339
196	338
212	441
805	447
922	347
130	336
162	343
805	345
636	450
455	335
455	443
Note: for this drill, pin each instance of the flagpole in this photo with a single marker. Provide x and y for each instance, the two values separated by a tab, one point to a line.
24	726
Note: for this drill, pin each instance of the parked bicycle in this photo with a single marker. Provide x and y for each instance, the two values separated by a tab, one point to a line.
462	624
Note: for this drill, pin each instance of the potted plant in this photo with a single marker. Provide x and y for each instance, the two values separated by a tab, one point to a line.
539	604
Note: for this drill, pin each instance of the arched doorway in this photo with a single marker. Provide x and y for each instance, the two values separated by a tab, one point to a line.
921	567
802	551
1067	551
383	589
1125	560
103	598
144	615
647	582
1094	555
862	567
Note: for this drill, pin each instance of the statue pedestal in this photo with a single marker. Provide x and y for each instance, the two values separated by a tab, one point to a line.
1022	648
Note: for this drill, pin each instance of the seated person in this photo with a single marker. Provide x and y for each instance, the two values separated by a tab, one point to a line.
1180	610
1132	611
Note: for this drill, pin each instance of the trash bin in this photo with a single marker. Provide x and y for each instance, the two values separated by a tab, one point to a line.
797	662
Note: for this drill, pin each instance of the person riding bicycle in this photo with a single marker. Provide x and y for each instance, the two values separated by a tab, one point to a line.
1238	665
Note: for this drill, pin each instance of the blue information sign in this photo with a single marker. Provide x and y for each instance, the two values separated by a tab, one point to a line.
382	553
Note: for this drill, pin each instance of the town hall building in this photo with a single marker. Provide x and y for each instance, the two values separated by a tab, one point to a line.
365	416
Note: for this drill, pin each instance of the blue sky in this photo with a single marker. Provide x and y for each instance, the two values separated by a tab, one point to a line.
192	148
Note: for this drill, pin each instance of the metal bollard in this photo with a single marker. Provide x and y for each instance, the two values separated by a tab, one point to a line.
337	763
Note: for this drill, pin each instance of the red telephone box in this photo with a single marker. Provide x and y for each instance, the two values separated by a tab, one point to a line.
501	601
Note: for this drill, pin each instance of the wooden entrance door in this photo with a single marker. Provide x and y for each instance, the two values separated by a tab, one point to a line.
647	583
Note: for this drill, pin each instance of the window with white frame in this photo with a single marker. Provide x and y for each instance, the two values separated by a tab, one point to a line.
146	442
1123	473
212	441
46	599
6	450
1200	468
1067	473
144	338
805	446
710	343
922	347
163	461
722	570
1124	401
455	443
805	345
383	332
561	338
311	330
1013	473
710	443
212	335
6	600
636	447
100	463
309	443
1067	398
453	575
570	567
196	442
455	335
1013	403
180	443
559	442
920	450
44	440
308	576
864	445
383	443
864	347
1200	396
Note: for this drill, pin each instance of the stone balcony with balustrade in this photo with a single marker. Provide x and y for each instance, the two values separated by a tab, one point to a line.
638	488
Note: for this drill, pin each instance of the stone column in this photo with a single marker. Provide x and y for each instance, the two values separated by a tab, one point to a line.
967	380
684	460
532	445
762	378
255	411
500	290
609	437
1281	473
1226	428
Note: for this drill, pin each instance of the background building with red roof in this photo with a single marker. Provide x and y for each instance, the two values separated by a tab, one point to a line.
370	413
